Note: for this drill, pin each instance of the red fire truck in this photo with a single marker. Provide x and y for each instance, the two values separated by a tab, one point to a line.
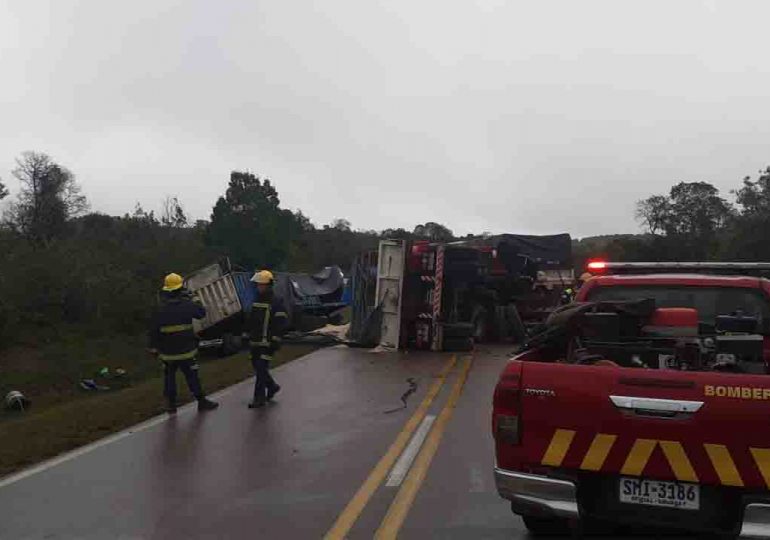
644	403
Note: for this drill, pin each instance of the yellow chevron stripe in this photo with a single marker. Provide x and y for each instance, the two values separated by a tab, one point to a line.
597	453
724	465
679	461
762	459
638	457
557	450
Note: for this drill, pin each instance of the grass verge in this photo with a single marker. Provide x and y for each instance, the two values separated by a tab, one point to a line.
45	432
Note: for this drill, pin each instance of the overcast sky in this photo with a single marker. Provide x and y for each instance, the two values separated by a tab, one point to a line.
501	116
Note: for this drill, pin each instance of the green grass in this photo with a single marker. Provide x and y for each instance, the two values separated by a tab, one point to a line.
63	418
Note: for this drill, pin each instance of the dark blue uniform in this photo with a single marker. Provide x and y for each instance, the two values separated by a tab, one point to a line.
172	335
266	325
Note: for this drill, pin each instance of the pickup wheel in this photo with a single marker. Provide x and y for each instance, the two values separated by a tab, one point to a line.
546	527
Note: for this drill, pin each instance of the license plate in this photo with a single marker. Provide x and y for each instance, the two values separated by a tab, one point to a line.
658	493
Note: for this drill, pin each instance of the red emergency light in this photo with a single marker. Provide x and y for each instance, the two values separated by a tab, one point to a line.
596	266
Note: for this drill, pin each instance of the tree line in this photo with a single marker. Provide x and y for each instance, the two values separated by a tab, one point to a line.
694	222
63	265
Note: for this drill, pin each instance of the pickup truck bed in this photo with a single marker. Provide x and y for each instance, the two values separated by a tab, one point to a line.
681	449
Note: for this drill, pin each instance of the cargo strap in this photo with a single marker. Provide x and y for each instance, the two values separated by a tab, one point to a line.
173	357
174	328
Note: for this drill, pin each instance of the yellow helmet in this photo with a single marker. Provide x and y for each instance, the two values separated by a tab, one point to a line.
263	277
173	282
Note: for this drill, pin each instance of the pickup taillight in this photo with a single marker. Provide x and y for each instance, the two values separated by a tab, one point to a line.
506	405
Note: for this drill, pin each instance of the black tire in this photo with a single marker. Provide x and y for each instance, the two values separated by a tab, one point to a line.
458	344
543	527
480	325
516	325
458	330
231	344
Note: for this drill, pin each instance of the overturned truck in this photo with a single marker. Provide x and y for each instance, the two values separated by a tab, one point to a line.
227	294
446	296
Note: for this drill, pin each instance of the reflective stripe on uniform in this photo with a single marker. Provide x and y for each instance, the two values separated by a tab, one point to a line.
184	356
266	321
267	357
259	343
174	328
281	314
266	324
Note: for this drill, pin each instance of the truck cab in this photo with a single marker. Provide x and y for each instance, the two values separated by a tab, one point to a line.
645	403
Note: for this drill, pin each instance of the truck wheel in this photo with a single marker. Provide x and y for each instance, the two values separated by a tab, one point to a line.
458	330
481	325
550	527
456	344
230	344
518	330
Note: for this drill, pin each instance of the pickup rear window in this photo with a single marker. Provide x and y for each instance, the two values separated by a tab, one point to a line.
709	301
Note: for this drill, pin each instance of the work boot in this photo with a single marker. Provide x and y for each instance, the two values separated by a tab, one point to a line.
272	391
257	403
170	408
205	404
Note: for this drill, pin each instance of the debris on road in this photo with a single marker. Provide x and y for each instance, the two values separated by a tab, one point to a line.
405	396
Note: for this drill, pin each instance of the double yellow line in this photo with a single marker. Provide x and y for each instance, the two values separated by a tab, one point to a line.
400	506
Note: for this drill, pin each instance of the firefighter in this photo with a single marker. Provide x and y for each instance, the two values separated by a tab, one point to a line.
267	322
174	342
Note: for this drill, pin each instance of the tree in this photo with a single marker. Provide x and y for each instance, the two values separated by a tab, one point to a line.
754	197
396	234
3	190
248	224
49	198
172	214
654	213
435	232
697	209
746	238
691	217
341	225
303	221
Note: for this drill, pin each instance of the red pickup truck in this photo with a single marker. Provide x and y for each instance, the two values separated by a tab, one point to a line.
645	403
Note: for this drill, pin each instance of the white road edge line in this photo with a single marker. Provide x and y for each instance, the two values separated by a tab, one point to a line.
72	454
404	463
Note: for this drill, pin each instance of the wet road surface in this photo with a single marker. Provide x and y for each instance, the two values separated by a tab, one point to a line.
292	469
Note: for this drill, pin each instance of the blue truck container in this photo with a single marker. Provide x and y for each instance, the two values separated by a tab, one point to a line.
245	289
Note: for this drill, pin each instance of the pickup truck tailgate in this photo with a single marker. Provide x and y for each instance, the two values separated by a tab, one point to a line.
705	427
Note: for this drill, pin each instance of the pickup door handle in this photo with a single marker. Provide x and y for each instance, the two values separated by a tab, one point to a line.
661	408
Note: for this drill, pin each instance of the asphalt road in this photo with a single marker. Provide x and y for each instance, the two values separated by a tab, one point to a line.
287	471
